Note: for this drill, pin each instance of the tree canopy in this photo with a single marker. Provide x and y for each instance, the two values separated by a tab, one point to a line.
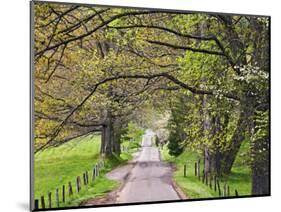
98	66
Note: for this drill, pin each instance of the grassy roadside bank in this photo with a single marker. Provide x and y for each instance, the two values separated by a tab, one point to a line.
239	179
57	166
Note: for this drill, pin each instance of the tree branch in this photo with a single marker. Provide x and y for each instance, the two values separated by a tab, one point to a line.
57	64
136	76
81	22
95	29
205	51
207	38
202	38
59	16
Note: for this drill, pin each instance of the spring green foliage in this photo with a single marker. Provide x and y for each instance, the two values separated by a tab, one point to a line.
209	72
176	126
132	136
234	61
174	144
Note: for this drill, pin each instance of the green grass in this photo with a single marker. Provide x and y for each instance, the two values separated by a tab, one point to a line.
239	179
57	166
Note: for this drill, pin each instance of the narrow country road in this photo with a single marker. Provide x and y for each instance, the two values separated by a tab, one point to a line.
150	179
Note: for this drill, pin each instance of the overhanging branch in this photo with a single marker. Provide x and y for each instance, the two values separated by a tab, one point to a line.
64	42
135	76
186	48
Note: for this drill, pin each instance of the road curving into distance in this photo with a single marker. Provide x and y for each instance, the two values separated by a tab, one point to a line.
150	179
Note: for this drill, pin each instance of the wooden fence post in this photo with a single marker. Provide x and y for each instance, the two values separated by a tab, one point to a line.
63	193
228	191
50	199
57	197
84	179
211	182
36	204
87	177
184	170
236	193
94	173
78	184
70	191
224	189
215	183
97	171
195	169
219	188
206	178
42	202
203	176
198	170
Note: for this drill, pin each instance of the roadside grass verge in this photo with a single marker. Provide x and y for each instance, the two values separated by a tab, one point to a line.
240	177
57	166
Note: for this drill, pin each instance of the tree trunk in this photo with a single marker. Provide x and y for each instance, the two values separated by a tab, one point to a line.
260	144
238	136
260	168
216	161
236	141
212	157
103	135
207	125
111	135
260	153
207	161
106	146
117	136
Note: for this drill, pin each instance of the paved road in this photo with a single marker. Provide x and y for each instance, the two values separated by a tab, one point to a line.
150	179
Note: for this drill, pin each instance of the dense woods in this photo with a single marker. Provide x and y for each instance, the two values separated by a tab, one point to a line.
98	68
